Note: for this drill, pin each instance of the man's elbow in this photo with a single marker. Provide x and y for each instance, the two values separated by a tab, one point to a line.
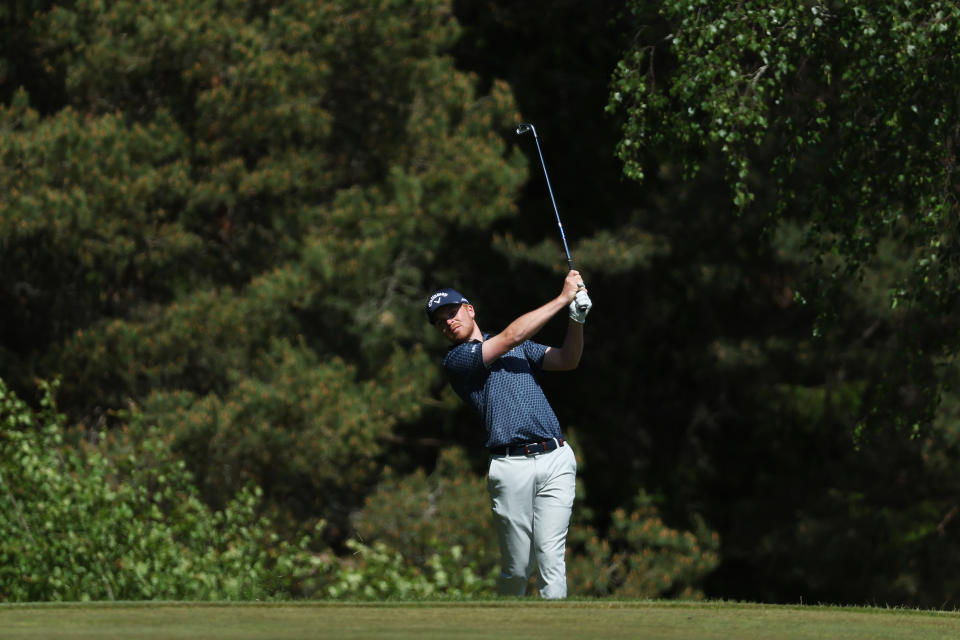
513	336
567	364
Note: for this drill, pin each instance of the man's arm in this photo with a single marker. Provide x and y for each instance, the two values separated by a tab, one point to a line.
567	357
527	325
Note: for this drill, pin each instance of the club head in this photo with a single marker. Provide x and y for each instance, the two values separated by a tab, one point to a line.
524	128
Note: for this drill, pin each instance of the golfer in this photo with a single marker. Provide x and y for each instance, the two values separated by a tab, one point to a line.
532	472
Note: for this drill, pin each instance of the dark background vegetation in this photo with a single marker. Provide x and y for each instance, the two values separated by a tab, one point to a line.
223	220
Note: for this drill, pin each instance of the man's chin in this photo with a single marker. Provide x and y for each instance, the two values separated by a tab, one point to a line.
456	337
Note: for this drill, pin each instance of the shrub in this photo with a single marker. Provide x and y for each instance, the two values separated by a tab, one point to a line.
434	534
78	524
377	572
642	557
428	535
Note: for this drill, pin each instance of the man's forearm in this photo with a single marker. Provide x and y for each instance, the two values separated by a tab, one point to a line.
527	325
573	344
567	357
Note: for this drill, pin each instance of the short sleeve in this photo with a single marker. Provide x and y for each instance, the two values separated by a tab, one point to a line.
534	353
464	360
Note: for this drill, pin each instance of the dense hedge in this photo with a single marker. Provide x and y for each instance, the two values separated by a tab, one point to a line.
121	520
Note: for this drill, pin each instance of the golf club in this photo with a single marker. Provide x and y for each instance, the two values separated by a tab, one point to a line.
528	127
524	128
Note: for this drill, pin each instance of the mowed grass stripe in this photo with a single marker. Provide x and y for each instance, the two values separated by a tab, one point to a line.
497	619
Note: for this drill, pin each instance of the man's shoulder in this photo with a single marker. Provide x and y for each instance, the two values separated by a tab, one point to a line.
463	354
469	345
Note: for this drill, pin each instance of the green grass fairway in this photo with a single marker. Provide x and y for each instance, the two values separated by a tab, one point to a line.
496	619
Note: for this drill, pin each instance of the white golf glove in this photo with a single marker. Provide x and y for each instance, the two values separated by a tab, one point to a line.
580	306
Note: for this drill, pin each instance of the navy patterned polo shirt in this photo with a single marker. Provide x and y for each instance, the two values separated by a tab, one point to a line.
506	394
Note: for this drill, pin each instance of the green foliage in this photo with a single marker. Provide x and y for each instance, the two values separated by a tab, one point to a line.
294	422
226	219
436	525
380	573
85	227
641	557
419	522
87	523
224	215
418	513
800	156
840	114
825	133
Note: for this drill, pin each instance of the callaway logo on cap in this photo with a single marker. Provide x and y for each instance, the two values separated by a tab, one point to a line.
443	297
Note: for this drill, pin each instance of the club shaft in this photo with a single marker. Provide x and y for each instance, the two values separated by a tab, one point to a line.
556	212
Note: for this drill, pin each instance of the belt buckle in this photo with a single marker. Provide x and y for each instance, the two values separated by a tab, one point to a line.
542	445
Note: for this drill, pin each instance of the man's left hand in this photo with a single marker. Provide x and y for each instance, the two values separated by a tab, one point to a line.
580	307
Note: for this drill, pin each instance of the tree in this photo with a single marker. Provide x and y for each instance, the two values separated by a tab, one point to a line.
825	170
221	218
225	221
837	117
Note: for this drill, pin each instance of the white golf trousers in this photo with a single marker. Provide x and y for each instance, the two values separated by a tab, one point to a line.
532	498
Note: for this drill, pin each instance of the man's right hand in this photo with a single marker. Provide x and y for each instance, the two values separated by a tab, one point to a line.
571	285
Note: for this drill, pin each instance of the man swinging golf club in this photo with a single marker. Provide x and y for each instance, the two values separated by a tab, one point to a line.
532	472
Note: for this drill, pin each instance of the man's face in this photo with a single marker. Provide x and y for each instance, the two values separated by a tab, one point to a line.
454	321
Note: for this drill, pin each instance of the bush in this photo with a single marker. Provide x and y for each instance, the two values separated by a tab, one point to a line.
77	524
641	557
428	535
377	572
416	533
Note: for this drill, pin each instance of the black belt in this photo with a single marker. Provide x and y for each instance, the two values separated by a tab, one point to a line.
527	449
